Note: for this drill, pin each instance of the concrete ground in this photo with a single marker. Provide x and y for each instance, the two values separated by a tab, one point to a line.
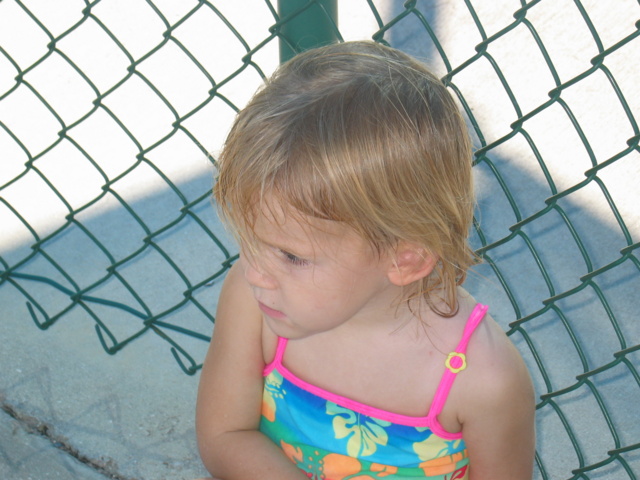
69	410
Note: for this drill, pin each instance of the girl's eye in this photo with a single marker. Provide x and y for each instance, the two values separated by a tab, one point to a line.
293	259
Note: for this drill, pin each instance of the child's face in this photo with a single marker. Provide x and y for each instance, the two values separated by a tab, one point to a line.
312	277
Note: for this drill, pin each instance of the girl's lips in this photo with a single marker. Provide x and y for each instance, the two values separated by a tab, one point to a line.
270	311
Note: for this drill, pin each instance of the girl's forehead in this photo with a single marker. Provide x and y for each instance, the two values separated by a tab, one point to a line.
274	219
284	226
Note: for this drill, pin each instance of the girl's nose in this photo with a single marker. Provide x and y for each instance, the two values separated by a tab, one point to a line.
256	274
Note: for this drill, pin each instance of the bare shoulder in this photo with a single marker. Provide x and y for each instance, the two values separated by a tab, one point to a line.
497	410
495	364
237	331
495	372
230	386
493	360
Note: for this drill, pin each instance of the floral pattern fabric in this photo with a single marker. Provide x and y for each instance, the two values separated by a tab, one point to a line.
332	442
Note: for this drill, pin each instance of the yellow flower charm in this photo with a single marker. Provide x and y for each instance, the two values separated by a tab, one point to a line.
462	362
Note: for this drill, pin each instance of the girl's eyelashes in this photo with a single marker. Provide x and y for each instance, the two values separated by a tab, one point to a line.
293	259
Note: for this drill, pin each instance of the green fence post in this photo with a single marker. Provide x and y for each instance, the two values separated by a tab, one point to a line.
312	23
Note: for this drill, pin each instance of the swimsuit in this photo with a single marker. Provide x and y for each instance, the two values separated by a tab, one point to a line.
331	437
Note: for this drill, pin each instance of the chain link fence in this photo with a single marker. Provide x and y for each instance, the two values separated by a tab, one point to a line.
111	112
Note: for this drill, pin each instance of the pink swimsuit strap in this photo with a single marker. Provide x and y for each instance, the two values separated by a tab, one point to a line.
456	361
277	360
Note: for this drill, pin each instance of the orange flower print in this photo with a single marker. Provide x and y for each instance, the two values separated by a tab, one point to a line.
294	453
307	459
383	470
269	408
444	465
273	389
337	467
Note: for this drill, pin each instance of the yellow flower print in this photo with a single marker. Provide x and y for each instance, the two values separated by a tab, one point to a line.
439	456
434	447
272	390
365	438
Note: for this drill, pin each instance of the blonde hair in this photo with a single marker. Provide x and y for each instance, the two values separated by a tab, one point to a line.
362	134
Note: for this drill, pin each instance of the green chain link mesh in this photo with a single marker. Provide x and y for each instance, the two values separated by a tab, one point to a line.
106	208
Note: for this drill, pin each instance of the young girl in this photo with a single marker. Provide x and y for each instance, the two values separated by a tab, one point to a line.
344	346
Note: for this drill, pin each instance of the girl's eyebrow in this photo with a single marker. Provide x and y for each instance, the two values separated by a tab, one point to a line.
292	251
284	248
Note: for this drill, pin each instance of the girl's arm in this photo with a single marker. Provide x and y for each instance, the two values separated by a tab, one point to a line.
499	424
230	393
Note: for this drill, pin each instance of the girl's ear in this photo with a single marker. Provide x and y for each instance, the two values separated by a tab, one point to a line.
410	263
